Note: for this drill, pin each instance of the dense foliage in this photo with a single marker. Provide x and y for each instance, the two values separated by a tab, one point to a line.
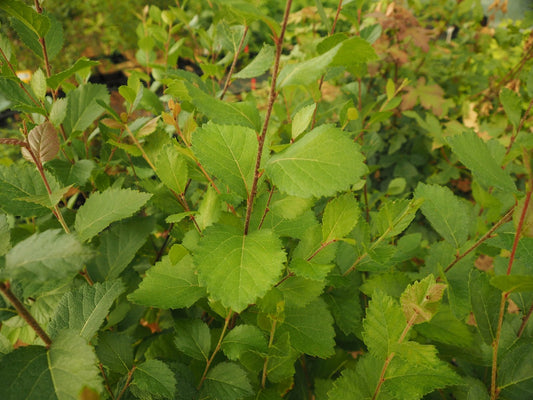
330	202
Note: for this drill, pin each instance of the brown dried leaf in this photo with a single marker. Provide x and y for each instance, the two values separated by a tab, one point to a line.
43	142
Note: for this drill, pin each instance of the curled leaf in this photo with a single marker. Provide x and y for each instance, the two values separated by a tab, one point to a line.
43	143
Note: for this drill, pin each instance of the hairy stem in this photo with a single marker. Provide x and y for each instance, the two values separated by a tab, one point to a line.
234	63
25	314
271	99
217	348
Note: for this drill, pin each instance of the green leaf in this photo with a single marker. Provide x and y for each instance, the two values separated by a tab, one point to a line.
298	291
38	84
33	373
229	152
22	181
323	162
5	235
84	309
360	383
445	328
226	381
101	209
193	338
235	268
115	351
529	82
168	285
357	46
58	111
420	300
171	168
118	246
476	156
310	328
259	65
153	379
449	216
512	104
243	339
53	38
18	98
383	325
345	305
281	359
513	283
394	217
485	300
34	21
302	119
307	72
309	269
221	112
515	373
340	216
57	79
83	107
50	256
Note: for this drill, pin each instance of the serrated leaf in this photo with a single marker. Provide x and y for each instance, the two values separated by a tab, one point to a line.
242	339
394	216
345	306
50	256
226	381
259	65
448	215
221	112
228	152
421	300
153	379
485	300
359	383
101	209
55	80
353	51
18	97
529	83
302	119
168	285
476	156
383	325
323	162
38	84
310	328
84	309
58	111
38	23
83	107
171	168
193	338
515	373
309	269
34	373
340	216
235	268
281	359
44	143
445	328
512	104
298	291
115	351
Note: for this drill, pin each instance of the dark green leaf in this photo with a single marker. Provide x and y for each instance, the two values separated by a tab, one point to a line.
515	373
243	339
226	381
340	216
153	379
513	283
512	104
83	108
485	300
115	351
193	338
38	23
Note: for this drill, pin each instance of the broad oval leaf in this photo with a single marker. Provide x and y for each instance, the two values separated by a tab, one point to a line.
43	142
236	268
227	381
322	163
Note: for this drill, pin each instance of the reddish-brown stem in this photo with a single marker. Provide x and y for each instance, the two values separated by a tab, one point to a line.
525	319
25	314
266	208
234	63
507	217
128	380
322	247
106	380
21	85
518	233
519	128
271	99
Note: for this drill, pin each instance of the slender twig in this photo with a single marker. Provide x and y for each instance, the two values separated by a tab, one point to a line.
145	156
322	247
106	381
25	314
217	348
21	85
506	218
128	380
519	128
271	99
234	63
267	209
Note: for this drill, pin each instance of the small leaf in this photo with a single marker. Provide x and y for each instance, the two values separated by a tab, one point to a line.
236	268
153	379
340	216
193	338
321	163
55	80
59	111
171	168
512	104
115	351
83	310
148	128
259	65
394	216
101	209
475	155
302	119
168	285
242	339
421	300
391	89
226	381
44	143
38	84
5	235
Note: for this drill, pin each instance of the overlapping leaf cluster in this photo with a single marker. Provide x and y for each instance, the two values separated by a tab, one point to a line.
316	219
